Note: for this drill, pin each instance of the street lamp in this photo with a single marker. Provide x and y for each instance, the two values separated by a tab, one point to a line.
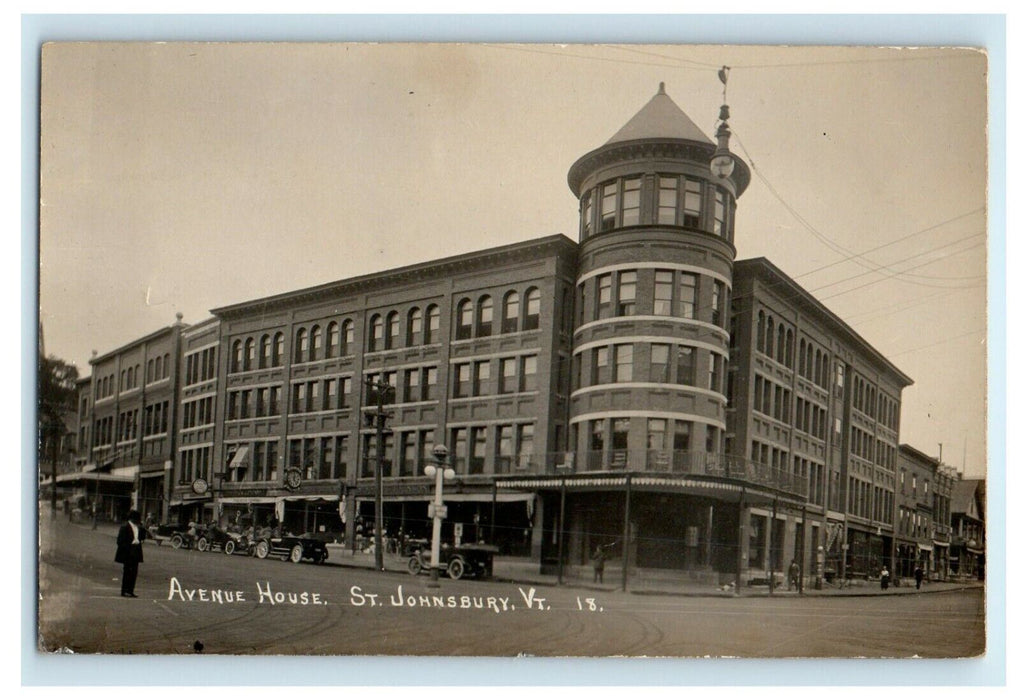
440	471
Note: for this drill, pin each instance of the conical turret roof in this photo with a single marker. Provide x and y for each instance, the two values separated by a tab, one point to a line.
660	118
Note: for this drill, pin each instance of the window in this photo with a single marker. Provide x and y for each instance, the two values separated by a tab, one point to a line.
408	454
585	215
478	440
718	292
685	359
432	324
265	352
532	307
412	385
597	442
414	327
511	311
600	366
329	394
688	295
316	345
620	429
484	317
692	204
428	387
332	339
300	398
344	392
657	435
392	329
482	377
461	380
375	333
528	382
504	447
236	358
626	295
301	345
631	210
465	319
604	301
659	365
526	443
346	338
458	437
682	436
715	373
667	201
662	303
278	350
607	209
624	363
720	220
508	375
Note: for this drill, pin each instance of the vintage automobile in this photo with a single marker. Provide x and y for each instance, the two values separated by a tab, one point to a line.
292	548
214	538
165	533
466	560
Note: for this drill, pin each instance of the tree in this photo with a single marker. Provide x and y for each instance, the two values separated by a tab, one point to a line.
57	396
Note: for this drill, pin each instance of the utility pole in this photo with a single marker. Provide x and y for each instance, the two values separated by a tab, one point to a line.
378	418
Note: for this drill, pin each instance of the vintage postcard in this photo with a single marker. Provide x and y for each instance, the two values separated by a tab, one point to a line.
512	349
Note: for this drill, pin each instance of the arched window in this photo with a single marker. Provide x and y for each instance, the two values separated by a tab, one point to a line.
788	360
346	337
265	351
432	324
316	349
150	368
414	328
332	339
769	333
511	312
278	350
484	317
825	370
301	345
761	331
392	329
532	307
130	377
781	342
249	354
800	356
810	373
375	333
818	367
465	319
236	353
166	365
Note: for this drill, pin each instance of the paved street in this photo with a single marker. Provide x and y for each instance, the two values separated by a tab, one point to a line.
284	608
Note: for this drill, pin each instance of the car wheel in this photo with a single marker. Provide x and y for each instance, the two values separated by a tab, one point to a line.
262	549
296	552
456	569
229	547
414	566
202	545
176	541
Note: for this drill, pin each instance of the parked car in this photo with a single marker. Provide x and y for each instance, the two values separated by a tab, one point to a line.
466	560
292	548
164	533
214	538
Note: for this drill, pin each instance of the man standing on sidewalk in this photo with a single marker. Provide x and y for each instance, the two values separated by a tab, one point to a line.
129	552
918	575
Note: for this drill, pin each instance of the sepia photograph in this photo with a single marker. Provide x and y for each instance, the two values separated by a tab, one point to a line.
512	349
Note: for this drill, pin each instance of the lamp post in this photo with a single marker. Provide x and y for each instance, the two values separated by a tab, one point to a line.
440	471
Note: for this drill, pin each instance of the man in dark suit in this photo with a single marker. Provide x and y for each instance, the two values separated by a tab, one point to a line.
129	552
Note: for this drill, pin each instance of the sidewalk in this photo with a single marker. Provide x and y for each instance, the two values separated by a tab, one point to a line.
523	571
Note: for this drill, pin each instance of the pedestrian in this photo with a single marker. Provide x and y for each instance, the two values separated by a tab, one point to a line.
918	575
884	578
598	560
794	576
129	552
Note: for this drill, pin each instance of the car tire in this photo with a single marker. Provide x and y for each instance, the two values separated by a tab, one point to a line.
202	545
296	553
414	566
229	547
176	541
456	569
262	549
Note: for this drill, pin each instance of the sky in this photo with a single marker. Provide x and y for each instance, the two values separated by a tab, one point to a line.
183	177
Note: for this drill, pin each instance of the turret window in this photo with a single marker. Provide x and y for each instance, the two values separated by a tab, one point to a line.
667	200
692	204
630	214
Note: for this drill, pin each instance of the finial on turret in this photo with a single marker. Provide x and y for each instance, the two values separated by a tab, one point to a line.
662	88
180	316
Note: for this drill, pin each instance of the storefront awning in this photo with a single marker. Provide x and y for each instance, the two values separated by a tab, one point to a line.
501	497
924	547
89	476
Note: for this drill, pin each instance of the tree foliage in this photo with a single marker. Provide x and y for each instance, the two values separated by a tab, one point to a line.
57	396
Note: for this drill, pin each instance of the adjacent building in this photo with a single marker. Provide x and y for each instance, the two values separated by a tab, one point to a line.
967	547
639	389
